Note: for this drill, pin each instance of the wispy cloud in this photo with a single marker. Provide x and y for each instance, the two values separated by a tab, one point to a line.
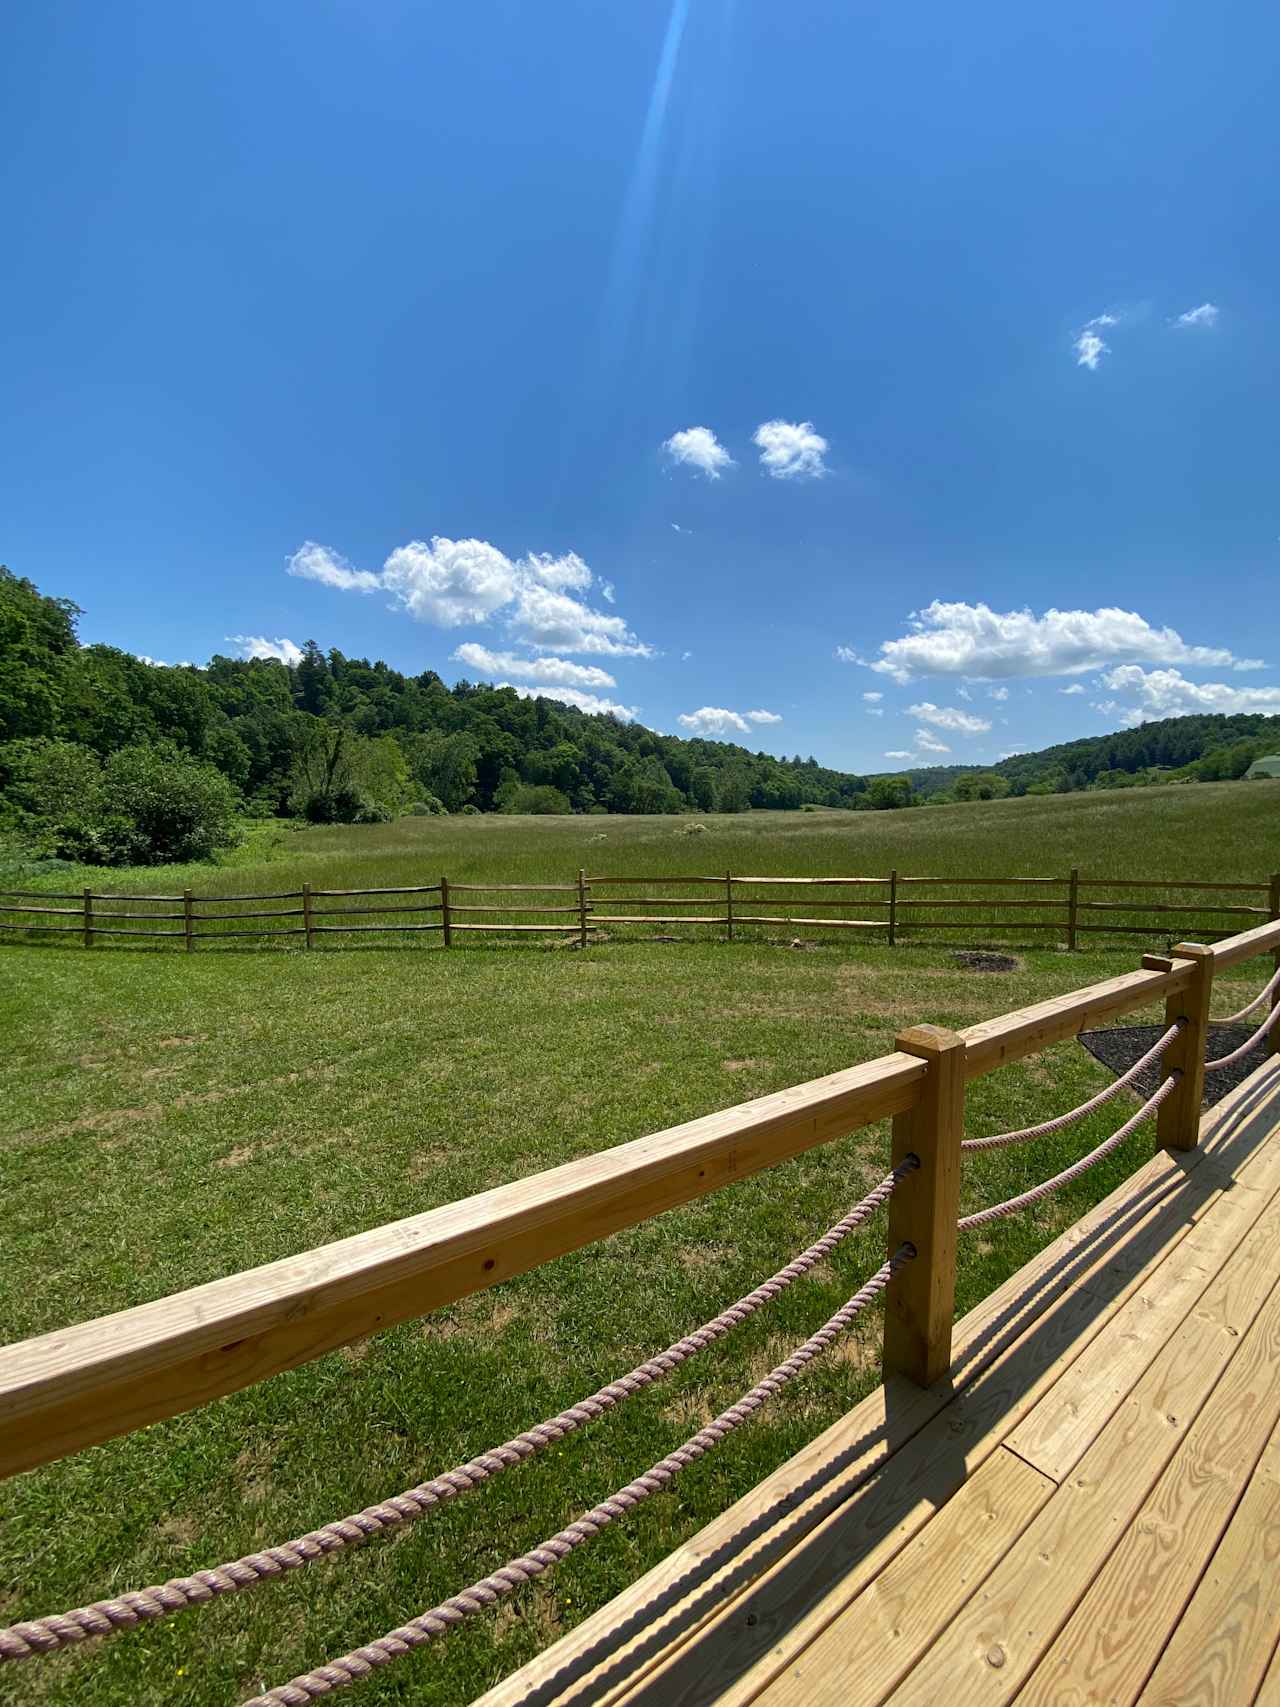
847	655
948	717
698	448
791	450
928	742
314	562
873	696
1205	315
956	639
258	646
713	720
899	753
1076	687
557	672
764	717
1089	345
574	696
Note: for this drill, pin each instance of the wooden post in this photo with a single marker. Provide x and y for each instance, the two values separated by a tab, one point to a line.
893	907
728	906
445	921
88	919
921	1299
582	906
306	915
1073	906
1178	1117
186	919
1273	1036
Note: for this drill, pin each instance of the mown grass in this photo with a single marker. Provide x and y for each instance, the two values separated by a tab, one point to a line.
169	1118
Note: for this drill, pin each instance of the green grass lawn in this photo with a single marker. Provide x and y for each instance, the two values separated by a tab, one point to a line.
167	1119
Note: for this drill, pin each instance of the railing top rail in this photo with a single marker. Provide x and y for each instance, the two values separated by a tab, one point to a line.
1245	944
659	877
1168	883
1009	1037
1043	882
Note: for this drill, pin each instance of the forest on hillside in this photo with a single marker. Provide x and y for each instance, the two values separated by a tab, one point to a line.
109	759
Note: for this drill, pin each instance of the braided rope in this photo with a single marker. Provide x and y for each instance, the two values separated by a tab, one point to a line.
124	1612
1248	1044
1061	1121
1272	984
439	1620
998	1211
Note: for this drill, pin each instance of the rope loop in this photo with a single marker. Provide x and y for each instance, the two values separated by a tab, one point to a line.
1249	1044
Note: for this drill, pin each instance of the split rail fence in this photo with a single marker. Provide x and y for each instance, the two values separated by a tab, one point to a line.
77	1386
1065	909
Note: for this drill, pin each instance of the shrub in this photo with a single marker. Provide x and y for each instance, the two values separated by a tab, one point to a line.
177	807
428	808
469	811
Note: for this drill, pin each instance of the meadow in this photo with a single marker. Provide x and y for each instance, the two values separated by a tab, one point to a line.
169	1118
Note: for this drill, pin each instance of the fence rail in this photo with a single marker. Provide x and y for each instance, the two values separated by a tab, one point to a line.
1070	907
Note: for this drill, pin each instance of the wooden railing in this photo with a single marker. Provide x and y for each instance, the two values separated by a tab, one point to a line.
76	1386
1066	908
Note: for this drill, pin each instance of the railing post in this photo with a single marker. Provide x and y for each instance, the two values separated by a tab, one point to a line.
306	915
921	1299
582	906
893	907
88	919
1073	906
728	906
186	919
1178	1117
446	923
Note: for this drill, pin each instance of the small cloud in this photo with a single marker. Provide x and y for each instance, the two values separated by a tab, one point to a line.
553	672
946	717
607	592
1089	346
899	753
997	693
685	657
927	742
1205	315
964	693
763	717
312	562
847	655
713	720
698	448
791	450
874	710
873	697
257	646
1076	687
574	696
679	529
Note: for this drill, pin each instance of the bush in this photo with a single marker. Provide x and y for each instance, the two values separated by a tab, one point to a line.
428	808
468	811
175	807
539	799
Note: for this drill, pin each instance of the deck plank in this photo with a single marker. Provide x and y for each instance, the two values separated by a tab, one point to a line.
989	1652
1219	1653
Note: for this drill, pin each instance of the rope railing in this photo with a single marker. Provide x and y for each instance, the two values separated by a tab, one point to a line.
439	1620
1269	988
126	1611
1250	1043
998	1211
1060	1122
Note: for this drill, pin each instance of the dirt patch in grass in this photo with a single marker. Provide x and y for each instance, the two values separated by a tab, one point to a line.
983	960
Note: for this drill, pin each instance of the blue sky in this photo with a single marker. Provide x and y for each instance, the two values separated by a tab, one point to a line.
426	304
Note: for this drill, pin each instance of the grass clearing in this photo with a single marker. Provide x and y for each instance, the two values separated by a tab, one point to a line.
169	1118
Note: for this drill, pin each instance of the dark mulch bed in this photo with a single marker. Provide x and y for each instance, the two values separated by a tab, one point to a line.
980	960
1118	1047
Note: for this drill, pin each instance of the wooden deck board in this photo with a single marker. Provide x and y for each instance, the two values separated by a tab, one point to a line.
1054	1438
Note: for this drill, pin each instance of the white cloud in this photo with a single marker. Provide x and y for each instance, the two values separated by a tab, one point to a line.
964	693
997	693
257	646
847	655
899	753
1089	345
1205	315
608	592
573	696
451	582
679	529
1076	687
685	657
312	562
554	671
946	717
791	449
698	447
713	720
929	743
763	717
873	697
874	710
145	658
1168	693
957	639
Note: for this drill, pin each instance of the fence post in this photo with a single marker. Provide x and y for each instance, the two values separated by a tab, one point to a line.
1178	1117
921	1299
1273	1036
728	905
1073	906
306	915
445	922
186	919
582	906
88	919
893	907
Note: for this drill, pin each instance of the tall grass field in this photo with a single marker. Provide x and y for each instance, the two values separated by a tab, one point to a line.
169	1118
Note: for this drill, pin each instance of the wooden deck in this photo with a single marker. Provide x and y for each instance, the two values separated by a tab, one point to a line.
1087	1511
